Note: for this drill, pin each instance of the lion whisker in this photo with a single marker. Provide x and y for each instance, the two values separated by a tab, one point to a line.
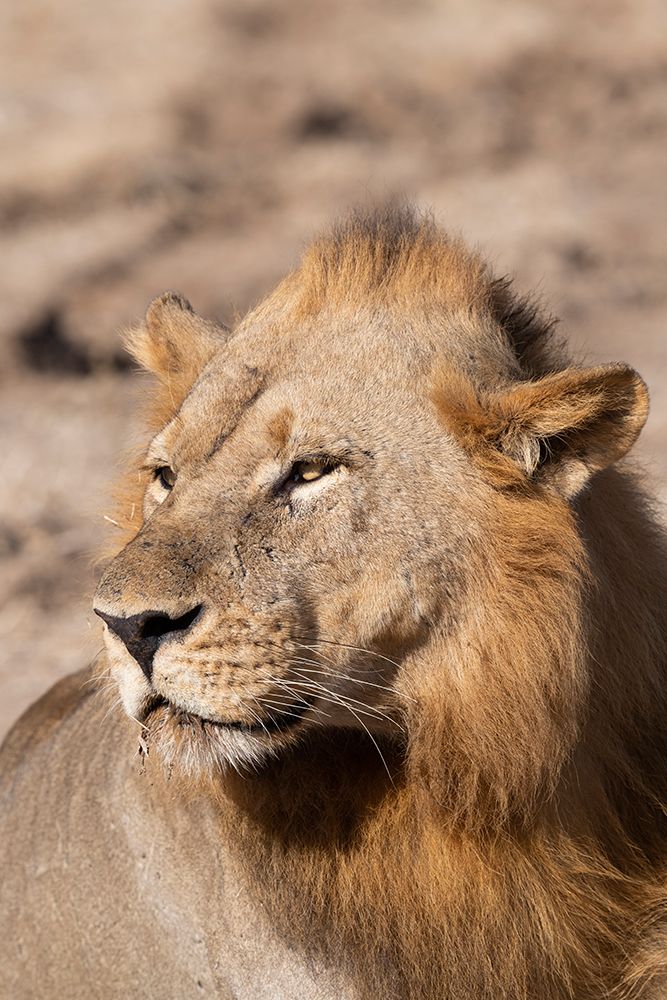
112	707
375	744
282	710
317	652
342	674
258	717
283	684
134	719
299	696
296	694
93	680
359	649
363	705
333	697
326	695
105	688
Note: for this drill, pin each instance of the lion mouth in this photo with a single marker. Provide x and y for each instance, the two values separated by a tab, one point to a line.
277	721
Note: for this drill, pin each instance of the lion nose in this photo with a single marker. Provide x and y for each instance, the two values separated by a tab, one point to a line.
143	633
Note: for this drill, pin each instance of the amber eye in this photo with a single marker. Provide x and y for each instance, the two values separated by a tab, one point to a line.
166	477
309	470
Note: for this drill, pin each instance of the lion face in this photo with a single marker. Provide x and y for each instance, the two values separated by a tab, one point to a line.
357	513
277	582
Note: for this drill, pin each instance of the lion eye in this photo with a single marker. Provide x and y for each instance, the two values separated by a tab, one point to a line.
308	471
166	477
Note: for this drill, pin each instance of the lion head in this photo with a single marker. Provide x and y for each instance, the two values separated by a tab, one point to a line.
361	508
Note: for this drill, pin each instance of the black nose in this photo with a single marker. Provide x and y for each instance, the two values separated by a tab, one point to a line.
143	633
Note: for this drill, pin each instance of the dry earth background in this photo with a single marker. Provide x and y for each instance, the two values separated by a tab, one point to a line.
197	145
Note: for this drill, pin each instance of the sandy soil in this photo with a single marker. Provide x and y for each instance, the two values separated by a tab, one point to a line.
198	144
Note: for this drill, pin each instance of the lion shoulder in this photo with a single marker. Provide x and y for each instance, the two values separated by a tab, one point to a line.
43	720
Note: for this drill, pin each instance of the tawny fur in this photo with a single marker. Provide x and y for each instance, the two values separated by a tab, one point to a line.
512	844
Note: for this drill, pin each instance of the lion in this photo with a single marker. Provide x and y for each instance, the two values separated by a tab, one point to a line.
387	629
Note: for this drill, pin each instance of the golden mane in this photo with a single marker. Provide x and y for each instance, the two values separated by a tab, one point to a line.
529	811
399	258
531	807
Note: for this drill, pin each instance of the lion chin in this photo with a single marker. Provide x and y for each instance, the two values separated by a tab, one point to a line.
201	747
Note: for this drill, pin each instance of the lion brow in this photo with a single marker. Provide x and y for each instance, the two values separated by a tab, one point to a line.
232	422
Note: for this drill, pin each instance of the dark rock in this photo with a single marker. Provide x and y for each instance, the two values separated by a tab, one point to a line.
45	347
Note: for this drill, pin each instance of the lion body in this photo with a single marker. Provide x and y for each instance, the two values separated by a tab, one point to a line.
100	908
469	603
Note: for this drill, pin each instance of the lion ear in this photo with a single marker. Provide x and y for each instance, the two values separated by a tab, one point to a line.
565	427
558	430
173	342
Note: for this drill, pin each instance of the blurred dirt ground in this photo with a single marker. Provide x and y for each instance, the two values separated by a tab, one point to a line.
197	145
